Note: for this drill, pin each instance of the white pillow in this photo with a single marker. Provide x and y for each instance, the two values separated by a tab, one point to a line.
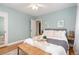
39	37
29	41
54	34
47	33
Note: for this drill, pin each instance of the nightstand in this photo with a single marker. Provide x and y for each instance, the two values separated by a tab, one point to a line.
71	37
71	43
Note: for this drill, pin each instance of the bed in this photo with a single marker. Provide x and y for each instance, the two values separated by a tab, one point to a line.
52	41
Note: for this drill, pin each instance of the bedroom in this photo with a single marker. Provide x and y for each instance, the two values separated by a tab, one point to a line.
22	23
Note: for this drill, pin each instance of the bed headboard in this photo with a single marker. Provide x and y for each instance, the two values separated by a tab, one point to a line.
57	30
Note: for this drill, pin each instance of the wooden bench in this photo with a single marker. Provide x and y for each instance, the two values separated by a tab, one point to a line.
31	50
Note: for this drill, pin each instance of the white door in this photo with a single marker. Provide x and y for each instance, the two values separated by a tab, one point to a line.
33	28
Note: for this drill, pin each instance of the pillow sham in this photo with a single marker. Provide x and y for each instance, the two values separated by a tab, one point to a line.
54	34
29	41
39	38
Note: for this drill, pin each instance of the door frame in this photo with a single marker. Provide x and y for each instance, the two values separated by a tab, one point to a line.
33	28
33	31
5	15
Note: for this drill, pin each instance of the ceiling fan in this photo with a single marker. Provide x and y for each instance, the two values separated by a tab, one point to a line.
35	6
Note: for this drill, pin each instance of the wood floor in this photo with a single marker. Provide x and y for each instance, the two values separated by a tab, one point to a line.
12	47
8	48
71	51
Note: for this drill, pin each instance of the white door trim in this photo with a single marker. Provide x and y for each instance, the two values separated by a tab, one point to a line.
5	15
33	28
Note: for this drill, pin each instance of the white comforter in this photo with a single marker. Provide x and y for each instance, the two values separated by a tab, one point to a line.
48	47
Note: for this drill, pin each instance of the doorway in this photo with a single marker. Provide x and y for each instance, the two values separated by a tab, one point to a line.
38	28
35	28
3	29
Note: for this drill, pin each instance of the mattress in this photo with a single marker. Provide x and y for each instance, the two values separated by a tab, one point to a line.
48	47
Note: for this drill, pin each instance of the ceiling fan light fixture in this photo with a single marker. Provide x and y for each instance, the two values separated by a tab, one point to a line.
35	7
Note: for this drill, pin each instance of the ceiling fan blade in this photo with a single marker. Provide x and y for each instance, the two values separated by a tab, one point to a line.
40	5
29	6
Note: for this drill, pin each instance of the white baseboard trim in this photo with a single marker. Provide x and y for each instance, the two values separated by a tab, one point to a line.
3	45
15	42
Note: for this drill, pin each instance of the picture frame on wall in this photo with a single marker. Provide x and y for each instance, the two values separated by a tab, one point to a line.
60	23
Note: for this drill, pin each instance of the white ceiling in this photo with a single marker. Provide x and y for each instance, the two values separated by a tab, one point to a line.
49	7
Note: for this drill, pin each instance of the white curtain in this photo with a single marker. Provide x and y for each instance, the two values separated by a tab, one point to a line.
76	42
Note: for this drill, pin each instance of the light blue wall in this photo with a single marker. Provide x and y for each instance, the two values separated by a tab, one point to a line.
18	24
67	14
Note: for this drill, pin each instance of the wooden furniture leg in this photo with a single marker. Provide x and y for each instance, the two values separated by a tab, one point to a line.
31	50
18	51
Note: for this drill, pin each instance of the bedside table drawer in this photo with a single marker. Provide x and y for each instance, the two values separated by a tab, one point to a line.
71	41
